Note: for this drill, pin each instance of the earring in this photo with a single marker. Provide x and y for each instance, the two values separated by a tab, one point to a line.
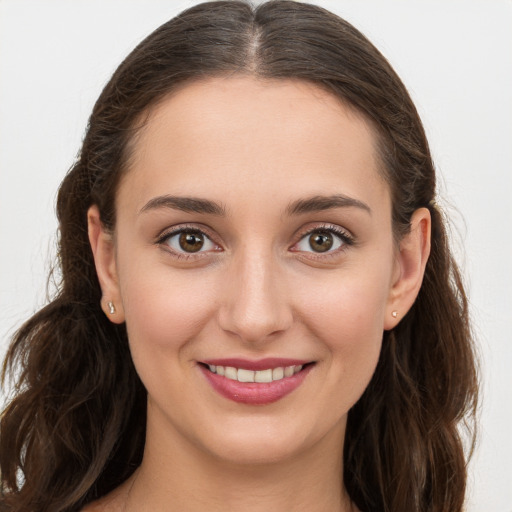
394	314
111	308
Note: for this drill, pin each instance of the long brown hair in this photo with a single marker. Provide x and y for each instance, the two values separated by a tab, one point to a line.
75	428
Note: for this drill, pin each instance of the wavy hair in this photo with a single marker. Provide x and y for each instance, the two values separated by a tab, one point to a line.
75	427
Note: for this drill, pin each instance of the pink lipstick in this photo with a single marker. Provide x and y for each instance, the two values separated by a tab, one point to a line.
255	382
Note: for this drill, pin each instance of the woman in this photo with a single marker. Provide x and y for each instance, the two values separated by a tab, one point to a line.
258	309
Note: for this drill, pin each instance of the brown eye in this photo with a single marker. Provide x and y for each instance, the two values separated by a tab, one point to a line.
324	240
321	241
191	241
188	241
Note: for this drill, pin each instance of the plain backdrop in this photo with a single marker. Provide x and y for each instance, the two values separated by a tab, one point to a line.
454	56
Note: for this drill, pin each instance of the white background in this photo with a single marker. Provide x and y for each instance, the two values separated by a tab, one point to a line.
454	56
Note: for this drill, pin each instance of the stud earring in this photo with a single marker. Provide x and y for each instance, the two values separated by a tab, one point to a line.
394	314
111	308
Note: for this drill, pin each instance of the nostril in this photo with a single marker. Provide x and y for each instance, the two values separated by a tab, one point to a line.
255	326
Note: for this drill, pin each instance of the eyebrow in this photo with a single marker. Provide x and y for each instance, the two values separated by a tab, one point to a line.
321	203
301	206
185	204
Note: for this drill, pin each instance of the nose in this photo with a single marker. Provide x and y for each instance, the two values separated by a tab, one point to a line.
256	307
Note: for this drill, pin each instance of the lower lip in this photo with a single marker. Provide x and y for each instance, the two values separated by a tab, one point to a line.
255	393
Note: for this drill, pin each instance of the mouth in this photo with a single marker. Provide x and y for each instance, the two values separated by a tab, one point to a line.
256	383
260	376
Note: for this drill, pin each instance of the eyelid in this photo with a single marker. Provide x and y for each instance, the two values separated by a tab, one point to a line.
168	233
343	234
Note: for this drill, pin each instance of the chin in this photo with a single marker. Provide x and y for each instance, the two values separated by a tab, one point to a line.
258	451
255	441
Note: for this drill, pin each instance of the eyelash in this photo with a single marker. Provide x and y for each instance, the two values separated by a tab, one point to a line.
167	235
344	236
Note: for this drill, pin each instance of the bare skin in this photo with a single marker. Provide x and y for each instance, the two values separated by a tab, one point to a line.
261	154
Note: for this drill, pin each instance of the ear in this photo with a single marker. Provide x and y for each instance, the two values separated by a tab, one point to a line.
411	260
103	250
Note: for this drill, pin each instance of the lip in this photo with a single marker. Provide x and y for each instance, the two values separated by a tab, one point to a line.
253	393
260	364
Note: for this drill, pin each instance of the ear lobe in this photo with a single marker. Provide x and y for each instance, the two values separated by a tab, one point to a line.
411	262
103	251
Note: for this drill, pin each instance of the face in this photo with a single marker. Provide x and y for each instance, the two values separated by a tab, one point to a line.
253	242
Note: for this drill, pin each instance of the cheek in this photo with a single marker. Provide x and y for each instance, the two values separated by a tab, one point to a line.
347	318
164	311
346	306
165	314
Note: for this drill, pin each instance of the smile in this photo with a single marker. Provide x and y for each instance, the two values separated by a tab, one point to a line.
261	376
255	383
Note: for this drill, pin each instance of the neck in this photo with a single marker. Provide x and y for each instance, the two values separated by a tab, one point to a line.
177	476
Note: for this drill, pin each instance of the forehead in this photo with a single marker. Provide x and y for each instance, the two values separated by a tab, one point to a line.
232	137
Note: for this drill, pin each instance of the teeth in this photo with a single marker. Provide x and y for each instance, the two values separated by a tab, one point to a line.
288	371
231	373
261	376
277	373
245	375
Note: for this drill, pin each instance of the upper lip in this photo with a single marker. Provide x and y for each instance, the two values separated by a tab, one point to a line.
260	364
